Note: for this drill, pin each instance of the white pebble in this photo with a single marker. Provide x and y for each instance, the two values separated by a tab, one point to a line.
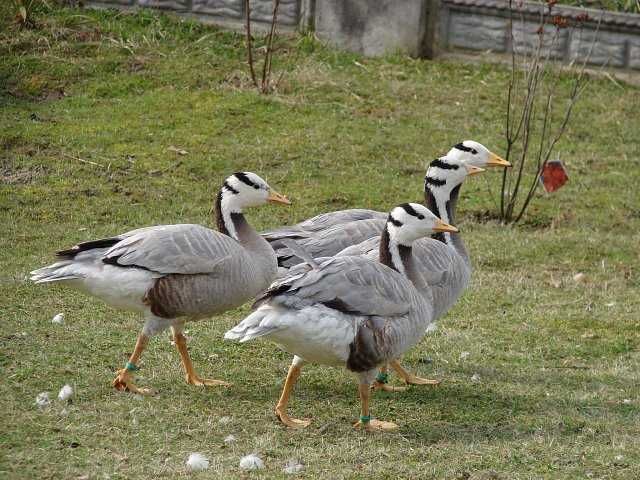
197	462
65	393
42	400
293	466
579	277
475	377
224	420
59	319
251	462
464	355
229	439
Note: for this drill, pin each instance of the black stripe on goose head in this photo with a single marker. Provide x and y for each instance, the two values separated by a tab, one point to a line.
394	221
438	163
411	211
229	188
245	179
464	148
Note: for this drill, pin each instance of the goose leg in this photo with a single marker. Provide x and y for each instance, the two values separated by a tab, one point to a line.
190	373
410	378
281	407
124	379
366	422
381	380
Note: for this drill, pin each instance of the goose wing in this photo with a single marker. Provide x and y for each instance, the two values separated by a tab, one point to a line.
329	242
322	222
182	249
354	285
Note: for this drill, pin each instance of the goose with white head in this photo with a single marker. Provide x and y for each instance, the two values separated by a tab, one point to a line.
443	269
176	273
349	311
327	234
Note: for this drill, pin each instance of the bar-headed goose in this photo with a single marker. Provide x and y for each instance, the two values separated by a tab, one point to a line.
349	311
442	261
307	232
176	273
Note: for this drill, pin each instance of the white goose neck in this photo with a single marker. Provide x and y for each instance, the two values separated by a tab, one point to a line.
228	207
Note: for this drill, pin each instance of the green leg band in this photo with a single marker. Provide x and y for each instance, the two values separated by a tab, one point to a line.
382	377
132	367
365	418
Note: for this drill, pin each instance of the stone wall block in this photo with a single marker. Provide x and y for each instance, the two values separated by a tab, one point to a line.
221	8
477	31
262	11
373	27
176	5
609	48
634	53
526	39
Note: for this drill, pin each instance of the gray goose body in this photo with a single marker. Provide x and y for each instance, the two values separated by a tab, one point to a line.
351	311
442	265
176	273
171	271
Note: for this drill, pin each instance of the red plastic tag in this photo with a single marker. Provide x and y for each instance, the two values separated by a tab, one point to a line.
553	176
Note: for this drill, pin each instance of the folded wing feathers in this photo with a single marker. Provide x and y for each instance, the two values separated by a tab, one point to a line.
183	249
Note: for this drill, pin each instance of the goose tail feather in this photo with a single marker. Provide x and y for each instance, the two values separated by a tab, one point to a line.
256	325
56	272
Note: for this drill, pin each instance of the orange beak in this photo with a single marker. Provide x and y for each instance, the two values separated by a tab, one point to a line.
275	197
444	227
496	161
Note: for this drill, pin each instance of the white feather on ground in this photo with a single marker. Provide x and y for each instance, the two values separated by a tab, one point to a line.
293	466
431	328
251	462
229	439
65	393
42	400
197	462
59	319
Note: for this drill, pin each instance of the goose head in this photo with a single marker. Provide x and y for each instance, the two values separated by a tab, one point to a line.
445	173
477	155
409	222
246	189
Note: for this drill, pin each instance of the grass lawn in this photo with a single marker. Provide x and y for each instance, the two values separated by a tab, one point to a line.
91	101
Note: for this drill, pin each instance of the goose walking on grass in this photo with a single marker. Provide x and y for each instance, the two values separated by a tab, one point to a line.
328	233
349	311
442	261
175	273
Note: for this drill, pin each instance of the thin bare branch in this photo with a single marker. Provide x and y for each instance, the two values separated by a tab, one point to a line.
247	12
266	67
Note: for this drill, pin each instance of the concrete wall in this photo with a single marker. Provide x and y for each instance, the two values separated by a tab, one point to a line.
422	28
222	12
484	25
